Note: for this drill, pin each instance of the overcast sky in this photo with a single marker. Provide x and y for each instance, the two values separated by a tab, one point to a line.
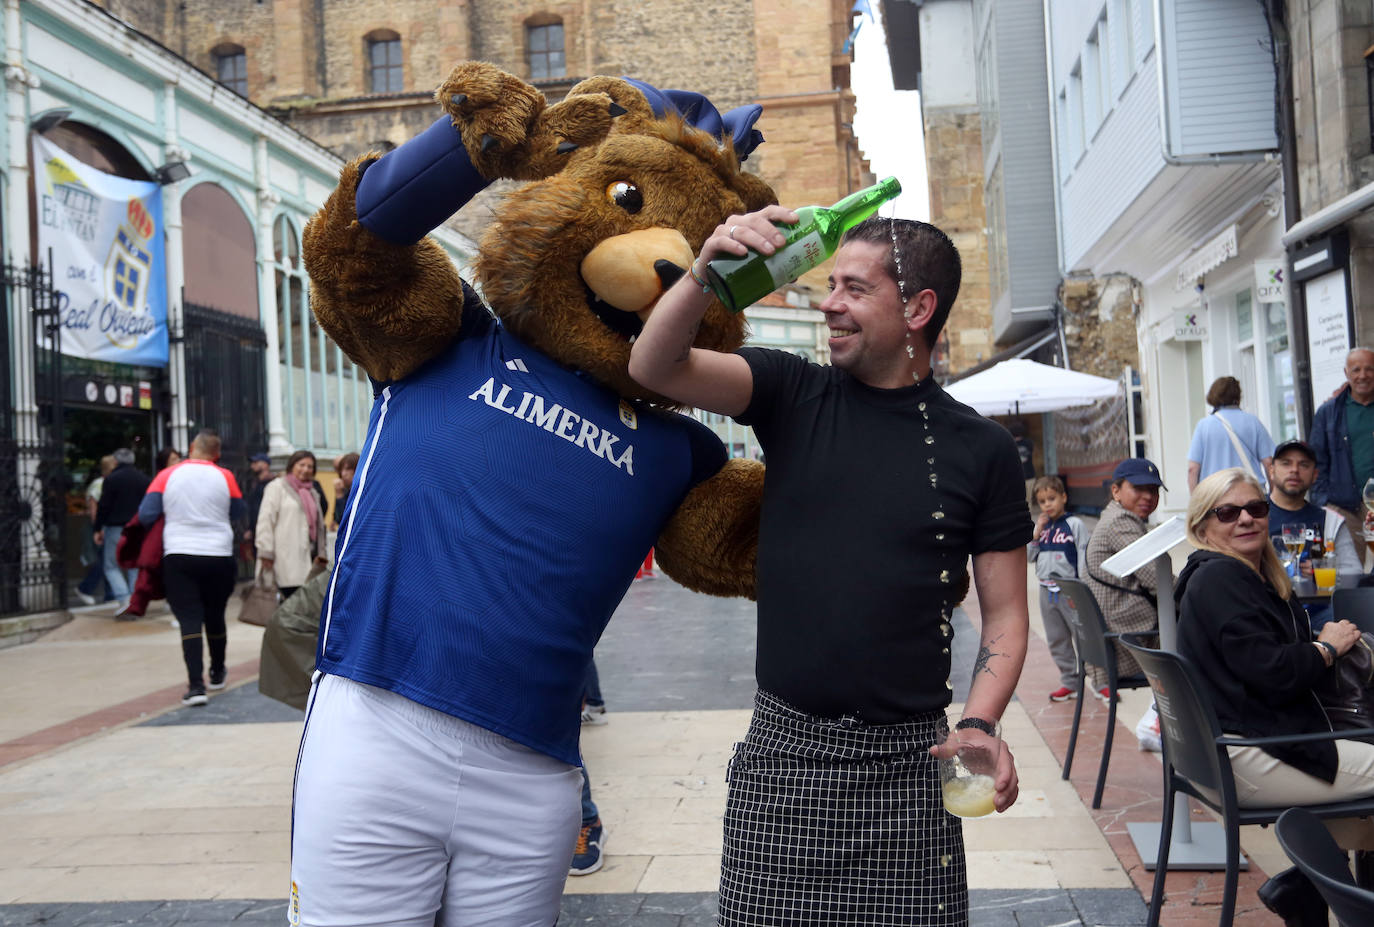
888	122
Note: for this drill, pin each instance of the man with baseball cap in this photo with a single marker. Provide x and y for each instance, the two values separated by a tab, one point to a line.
261	465
1292	472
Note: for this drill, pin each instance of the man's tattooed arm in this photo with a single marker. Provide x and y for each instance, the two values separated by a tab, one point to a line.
985	655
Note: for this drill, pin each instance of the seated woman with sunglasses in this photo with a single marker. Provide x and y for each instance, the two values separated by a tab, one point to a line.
1241	626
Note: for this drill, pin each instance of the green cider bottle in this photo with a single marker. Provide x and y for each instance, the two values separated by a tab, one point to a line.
743	281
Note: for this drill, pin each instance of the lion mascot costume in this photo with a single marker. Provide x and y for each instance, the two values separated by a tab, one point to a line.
512	480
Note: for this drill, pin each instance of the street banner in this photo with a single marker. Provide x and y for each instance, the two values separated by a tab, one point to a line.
109	265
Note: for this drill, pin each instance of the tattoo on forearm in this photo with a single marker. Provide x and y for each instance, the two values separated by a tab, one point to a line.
691	337
985	655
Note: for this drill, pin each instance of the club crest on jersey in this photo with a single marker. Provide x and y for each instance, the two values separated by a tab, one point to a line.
556	420
293	915
628	418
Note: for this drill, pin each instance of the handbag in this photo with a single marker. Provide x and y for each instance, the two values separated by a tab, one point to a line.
1346	692
259	600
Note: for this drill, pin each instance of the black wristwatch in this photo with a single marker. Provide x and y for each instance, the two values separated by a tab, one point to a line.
978	724
1329	648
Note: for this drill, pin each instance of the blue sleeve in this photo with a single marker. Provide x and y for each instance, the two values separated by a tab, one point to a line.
237	509
1195	446
708	451
150	509
410	191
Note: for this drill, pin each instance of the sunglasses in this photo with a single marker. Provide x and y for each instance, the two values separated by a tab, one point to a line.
1229	513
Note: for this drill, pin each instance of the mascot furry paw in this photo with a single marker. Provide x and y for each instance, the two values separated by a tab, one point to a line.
513	475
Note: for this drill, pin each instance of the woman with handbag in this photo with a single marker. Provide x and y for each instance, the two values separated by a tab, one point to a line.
290	532
1241	626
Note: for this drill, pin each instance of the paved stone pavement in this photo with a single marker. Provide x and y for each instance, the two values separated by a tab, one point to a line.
181	816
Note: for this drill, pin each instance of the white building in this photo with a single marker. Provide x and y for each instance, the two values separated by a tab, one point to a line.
1166	169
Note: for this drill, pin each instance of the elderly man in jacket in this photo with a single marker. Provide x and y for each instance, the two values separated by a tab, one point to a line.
1342	437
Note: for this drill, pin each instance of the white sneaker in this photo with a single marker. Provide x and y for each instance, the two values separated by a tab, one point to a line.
85	599
594	714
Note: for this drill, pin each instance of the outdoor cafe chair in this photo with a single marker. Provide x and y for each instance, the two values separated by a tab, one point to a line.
1095	646
1313	850
1196	763
1354	604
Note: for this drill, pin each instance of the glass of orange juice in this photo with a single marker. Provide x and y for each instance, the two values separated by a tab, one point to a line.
1324	573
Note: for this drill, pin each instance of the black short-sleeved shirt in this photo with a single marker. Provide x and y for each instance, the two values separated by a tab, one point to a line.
862	555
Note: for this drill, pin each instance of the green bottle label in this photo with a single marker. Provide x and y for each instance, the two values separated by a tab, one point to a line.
800	255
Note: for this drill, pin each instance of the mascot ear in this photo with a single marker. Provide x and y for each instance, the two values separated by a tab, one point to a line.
755	193
624	93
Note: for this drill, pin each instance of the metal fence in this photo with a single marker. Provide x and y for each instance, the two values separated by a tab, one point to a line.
33	477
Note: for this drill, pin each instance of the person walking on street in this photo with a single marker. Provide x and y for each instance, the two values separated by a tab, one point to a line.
290	531
92	554
119	499
879	487
1229	437
344	469
198	500
1342	436
261	467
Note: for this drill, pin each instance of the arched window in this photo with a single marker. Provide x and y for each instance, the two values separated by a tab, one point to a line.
231	67
219	252
323	395
544	47
384	70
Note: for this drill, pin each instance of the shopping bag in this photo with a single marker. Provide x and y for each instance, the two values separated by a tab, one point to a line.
259	600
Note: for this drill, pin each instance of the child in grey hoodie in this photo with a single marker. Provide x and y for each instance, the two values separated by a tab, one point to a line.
1059	549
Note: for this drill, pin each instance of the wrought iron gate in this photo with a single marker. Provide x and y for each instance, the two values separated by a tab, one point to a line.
33	476
226	382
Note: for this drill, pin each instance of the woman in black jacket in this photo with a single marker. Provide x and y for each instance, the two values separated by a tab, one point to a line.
1250	640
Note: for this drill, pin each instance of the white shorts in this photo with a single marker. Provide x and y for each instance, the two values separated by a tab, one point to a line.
406	816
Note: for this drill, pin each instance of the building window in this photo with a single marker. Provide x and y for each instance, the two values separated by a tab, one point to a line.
384	63
544	50
231	68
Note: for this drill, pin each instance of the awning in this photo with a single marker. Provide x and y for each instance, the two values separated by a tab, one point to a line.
1020	349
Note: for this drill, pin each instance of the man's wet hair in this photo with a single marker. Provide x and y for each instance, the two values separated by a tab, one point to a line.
929	262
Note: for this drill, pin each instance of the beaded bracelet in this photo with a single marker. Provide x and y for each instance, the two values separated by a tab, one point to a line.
705	287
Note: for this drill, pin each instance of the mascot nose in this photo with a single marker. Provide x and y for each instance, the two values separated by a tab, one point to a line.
668	272
631	271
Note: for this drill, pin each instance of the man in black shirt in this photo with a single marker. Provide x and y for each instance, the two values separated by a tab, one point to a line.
119	499
878	490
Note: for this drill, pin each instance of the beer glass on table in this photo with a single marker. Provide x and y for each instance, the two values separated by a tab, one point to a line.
1295	539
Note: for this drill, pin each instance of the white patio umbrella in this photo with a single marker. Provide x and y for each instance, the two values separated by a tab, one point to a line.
1024	387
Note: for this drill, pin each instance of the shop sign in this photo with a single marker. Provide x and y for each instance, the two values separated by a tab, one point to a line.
1328	331
105	235
1270	281
1190	324
1213	254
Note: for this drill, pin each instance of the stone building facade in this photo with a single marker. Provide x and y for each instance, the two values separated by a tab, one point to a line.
309	63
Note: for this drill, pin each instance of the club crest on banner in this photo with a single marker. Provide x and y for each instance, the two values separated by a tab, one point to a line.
108	260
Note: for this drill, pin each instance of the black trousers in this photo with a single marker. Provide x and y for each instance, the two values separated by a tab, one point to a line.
198	588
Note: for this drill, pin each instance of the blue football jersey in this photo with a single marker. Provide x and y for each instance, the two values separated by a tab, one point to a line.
502	506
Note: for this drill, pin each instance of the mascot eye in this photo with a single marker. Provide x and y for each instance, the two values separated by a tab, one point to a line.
626	196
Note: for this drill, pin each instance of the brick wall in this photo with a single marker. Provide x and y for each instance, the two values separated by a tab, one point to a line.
954	162
1100	324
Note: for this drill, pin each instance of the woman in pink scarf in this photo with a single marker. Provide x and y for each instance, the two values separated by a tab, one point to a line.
290	533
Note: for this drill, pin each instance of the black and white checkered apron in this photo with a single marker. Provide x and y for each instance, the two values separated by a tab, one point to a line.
839	822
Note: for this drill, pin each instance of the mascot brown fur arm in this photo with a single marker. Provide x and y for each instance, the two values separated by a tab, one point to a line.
712	541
